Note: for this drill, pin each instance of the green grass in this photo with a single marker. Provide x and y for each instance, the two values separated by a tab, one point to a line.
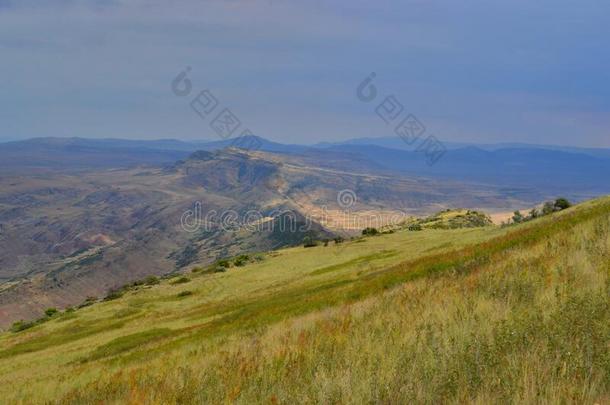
75	331
126	343
452	219
357	261
487	315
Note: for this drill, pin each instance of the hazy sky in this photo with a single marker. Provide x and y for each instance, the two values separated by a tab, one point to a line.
484	71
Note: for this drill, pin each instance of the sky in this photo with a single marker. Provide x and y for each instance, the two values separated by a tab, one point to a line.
483	71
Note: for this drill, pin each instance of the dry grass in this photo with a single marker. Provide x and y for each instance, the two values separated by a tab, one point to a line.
519	315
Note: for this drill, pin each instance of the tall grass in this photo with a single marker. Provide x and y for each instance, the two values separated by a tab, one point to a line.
517	314
524	318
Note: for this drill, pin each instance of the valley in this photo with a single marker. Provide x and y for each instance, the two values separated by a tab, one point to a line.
66	235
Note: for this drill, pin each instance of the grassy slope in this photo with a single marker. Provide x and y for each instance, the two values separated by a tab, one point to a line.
513	314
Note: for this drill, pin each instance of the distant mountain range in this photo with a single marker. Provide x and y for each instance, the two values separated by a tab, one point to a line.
578	173
397	143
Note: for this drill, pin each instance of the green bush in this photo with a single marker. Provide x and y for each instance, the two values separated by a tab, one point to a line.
21	325
308	242
181	280
114	294
49	312
184	294
548	208
241	260
370	231
562	204
87	302
517	217
223	263
415	227
151	280
136	284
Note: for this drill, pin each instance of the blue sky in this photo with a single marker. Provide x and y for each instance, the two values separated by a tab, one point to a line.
480	71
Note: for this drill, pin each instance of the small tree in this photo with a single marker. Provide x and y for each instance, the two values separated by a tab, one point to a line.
50	312
223	263
241	260
113	295
517	217
151	280
548	208
533	213
369	231
338	240
308	241
561	204
21	325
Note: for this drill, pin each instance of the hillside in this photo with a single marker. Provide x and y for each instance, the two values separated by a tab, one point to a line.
452	219
486	314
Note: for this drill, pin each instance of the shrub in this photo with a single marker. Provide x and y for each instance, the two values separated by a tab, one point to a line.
517	217
338	240
325	242
181	280
151	280
562	204
21	325
49	312
114	294
308	241
241	260
370	231
184	294
548	208
415	227
136	284
87	302
220	269
223	263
